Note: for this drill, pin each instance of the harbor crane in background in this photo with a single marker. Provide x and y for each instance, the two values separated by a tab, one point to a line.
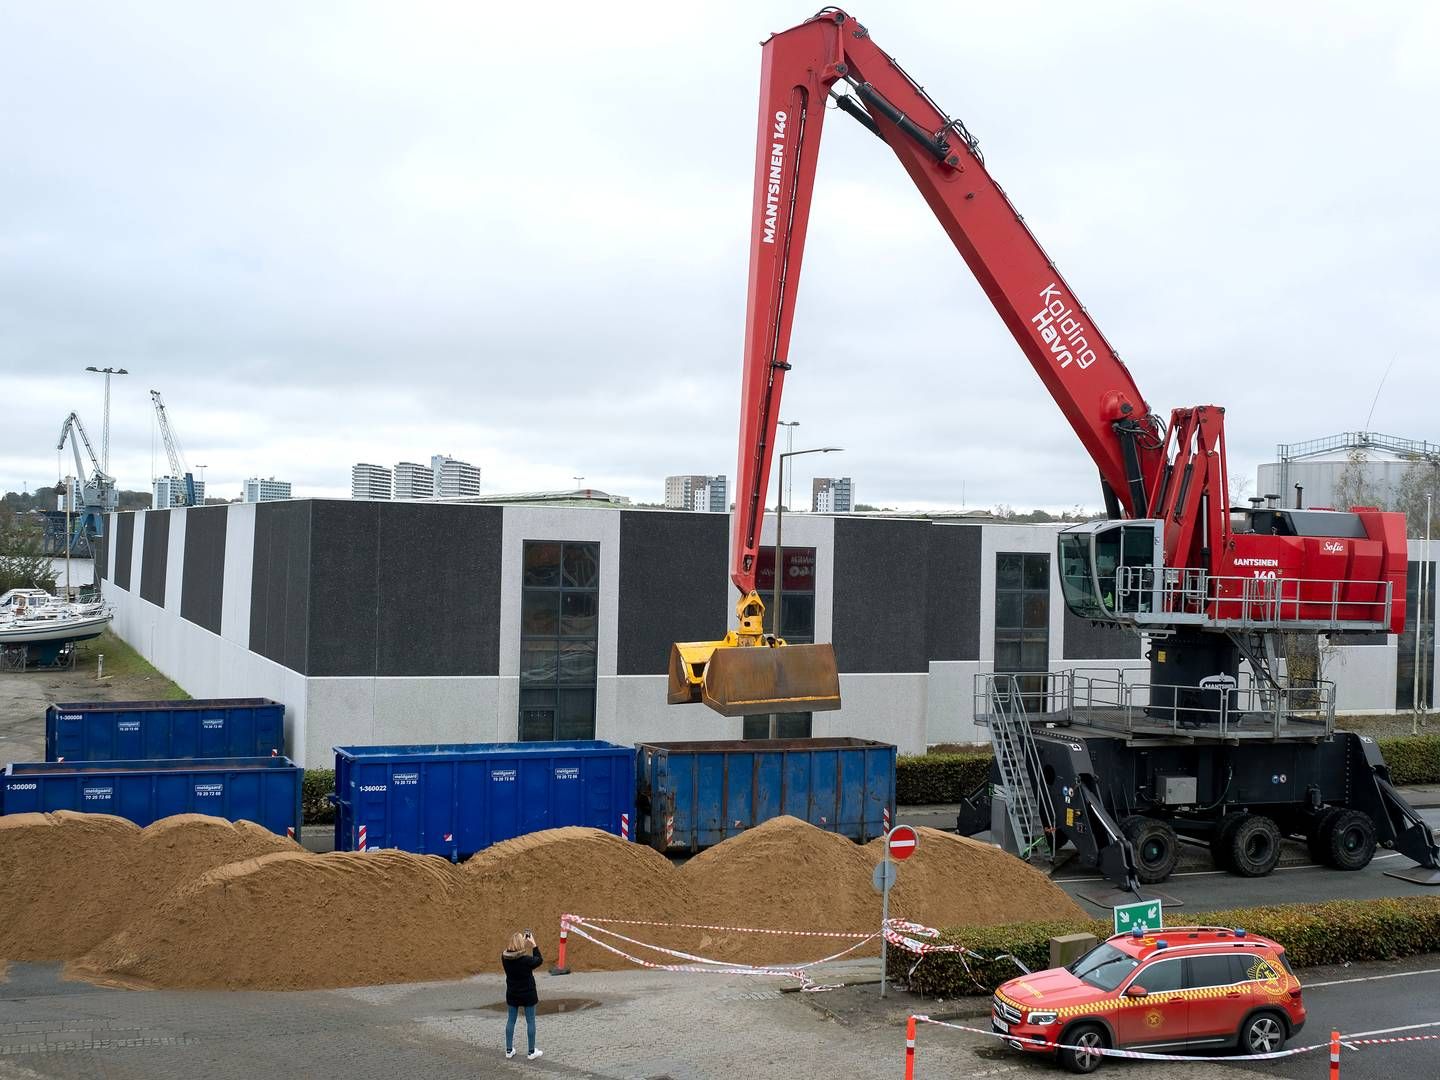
1118	768
178	469
98	496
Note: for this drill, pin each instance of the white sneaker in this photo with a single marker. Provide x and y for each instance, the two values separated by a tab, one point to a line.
534	1054
509	1053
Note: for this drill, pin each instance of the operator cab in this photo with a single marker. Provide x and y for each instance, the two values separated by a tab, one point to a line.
1110	571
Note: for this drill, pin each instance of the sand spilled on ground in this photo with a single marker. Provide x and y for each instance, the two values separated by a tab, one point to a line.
276	917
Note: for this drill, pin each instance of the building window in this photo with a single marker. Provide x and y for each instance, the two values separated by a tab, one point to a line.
559	626
1022	622
797	626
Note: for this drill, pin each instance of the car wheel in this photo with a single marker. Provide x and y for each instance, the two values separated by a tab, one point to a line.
1088	1040
1317	833
1254	846
1220	839
1156	847
1351	840
1264	1033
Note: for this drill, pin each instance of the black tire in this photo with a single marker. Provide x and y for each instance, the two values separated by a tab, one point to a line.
1156	847
1351	840
1220	839
1083	1035
1263	1033
1254	846
1317	833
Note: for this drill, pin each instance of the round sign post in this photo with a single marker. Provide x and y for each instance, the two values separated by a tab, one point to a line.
900	844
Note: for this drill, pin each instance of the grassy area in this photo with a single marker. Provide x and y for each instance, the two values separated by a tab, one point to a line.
126	667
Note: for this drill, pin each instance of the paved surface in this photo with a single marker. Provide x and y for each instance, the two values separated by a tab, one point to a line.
648	1025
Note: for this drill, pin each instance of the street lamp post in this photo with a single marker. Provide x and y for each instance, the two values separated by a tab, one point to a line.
105	422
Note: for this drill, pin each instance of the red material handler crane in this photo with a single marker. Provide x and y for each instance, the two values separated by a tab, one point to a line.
1173	558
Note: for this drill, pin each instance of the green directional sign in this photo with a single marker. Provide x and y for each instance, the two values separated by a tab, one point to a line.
1143	915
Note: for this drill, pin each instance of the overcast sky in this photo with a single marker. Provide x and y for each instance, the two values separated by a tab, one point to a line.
516	233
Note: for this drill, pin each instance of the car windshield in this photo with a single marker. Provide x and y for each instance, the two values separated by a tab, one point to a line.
1105	967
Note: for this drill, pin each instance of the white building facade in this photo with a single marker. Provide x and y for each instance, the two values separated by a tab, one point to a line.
454	479
169	491
414	481
696	491
832	495
258	489
369	481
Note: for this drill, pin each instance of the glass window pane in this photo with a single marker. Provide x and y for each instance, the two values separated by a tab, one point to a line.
538	662
577	715
542	563
539	613
537	725
1208	971
1037	611
577	662
756	727
793	725
1008	573
579	612
798	626
537	699
1160	978
582	566
1007	610
1034	656
1037	572
1007	656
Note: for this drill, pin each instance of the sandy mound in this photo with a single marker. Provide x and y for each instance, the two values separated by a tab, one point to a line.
68	881
956	881
198	902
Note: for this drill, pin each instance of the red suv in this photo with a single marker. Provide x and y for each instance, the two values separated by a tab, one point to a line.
1179	989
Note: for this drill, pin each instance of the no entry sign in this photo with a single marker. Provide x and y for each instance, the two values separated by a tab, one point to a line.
901	842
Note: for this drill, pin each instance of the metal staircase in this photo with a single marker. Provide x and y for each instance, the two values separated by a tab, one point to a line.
1026	800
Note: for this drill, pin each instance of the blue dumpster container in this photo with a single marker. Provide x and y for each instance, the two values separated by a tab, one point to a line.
454	800
714	790
265	790
140	730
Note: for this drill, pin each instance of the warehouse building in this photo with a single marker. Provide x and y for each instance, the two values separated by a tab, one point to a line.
383	622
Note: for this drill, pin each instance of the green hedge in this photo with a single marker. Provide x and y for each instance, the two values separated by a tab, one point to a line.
938	778
946	778
1341	931
315	797
1413	759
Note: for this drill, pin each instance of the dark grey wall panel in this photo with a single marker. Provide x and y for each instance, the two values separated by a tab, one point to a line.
102	549
952	601
280	582
879	595
438	585
124	548
674	584
344	587
1086	641
154	556
203	575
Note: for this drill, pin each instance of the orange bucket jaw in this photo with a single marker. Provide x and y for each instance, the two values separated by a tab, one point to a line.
741	680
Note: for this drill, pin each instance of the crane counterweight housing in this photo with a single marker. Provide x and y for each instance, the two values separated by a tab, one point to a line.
1223	732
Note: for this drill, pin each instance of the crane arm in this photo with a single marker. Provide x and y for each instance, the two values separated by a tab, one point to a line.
72	424
172	449
800	69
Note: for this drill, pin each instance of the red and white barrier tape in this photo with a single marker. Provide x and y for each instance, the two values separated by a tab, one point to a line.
703	964
734	929
1142	1055
901	934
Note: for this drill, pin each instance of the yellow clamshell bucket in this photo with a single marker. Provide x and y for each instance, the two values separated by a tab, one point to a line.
754	672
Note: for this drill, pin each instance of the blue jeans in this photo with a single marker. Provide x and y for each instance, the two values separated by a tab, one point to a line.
529	1026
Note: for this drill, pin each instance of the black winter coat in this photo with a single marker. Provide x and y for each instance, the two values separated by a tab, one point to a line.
520	978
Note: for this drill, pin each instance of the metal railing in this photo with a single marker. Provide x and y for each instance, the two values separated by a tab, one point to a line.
1027	799
1143	593
1218	709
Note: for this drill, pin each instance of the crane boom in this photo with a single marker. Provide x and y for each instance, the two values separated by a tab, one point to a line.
73	425
1179	562
172	451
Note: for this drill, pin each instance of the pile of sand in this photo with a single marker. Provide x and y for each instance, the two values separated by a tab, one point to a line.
194	902
68	881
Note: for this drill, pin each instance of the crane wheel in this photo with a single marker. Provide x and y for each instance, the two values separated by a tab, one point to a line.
1157	848
1317	833
1220	838
1254	846
1350	840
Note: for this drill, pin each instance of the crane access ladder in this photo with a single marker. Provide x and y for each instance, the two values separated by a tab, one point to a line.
1027	798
